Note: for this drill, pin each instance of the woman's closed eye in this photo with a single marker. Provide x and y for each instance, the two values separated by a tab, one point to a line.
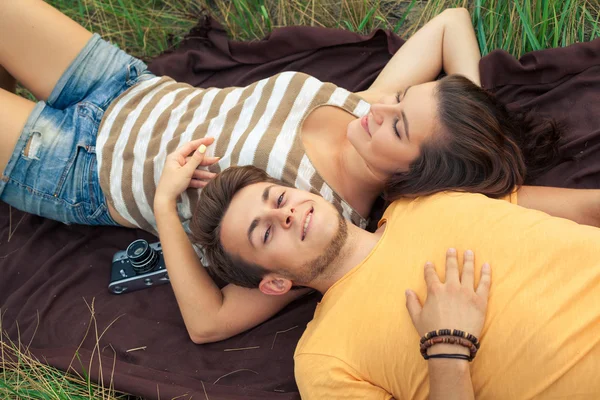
396	120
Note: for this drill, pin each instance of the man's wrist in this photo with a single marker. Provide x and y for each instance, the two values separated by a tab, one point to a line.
443	365
447	348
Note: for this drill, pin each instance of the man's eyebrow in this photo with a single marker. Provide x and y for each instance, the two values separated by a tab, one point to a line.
256	221
404	120
265	195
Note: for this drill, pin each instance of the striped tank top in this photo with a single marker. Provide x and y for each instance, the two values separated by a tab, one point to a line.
254	125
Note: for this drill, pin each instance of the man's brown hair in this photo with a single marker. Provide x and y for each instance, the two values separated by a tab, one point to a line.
479	146
206	225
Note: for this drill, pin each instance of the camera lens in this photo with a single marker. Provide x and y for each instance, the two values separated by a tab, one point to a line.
143	258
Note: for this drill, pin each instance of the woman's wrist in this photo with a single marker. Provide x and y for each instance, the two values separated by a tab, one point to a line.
164	203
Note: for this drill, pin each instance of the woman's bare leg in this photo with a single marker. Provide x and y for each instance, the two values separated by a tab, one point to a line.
37	44
13	114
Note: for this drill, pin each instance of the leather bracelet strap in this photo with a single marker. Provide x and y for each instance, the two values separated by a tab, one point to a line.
454	356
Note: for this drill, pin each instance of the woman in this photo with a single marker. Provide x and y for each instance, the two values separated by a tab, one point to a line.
93	150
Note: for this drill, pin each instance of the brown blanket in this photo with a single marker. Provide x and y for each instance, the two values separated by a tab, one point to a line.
58	274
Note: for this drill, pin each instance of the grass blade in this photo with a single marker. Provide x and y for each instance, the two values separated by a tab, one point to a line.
366	19
403	17
480	30
528	31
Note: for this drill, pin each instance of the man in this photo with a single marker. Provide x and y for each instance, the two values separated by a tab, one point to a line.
541	338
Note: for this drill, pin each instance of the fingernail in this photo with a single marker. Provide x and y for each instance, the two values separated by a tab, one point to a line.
428	264
201	149
406	293
486	267
469	253
451	252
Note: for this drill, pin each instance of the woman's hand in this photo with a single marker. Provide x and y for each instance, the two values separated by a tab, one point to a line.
453	304
180	171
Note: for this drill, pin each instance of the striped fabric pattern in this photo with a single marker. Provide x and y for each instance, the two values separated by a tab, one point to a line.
254	125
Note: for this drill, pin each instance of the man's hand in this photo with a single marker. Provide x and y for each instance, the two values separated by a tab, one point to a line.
453	304
180	171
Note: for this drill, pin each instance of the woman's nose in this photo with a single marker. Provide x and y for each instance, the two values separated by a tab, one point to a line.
380	110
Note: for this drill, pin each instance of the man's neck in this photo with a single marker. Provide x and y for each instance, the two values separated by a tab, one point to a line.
357	247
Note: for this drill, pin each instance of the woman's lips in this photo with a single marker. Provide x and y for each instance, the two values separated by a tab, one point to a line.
364	121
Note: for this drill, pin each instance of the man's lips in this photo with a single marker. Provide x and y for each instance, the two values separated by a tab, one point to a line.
364	121
306	223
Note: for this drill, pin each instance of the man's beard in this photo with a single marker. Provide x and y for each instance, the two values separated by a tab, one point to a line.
319	266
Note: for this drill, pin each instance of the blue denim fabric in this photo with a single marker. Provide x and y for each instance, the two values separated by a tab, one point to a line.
58	178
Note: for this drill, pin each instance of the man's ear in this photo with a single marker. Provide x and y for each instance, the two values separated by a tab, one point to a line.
275	285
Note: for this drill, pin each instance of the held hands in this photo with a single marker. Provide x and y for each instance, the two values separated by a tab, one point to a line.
180	171
453	304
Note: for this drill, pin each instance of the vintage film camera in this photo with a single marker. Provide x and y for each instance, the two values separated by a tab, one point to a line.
140	266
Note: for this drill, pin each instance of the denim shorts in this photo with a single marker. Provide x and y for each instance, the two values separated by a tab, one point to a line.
57	177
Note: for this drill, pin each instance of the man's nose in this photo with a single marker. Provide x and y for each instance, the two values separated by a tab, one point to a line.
284	216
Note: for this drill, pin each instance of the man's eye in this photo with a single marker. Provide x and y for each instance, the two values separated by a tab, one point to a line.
280	200
398	97
267	233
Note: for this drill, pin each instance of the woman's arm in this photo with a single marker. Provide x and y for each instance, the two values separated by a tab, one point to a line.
453	304
209	314
579	205
446	42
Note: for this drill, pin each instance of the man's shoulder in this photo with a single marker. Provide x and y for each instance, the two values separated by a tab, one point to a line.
322	334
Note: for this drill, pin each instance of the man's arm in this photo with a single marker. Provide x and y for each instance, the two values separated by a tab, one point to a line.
579	205
453	304
446	42
210	314
449	379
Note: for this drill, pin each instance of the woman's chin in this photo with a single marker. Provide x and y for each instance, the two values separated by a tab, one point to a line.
356	135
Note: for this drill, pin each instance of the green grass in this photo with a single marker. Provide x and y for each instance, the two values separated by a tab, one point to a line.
146	28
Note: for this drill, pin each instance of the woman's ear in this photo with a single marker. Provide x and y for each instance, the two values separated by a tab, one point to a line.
275	285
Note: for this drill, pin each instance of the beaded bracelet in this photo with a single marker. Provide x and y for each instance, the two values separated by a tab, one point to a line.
451	332
450	340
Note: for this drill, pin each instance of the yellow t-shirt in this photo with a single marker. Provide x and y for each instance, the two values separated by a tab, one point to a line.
541	337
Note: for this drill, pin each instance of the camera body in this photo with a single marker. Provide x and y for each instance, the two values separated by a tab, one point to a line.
140	266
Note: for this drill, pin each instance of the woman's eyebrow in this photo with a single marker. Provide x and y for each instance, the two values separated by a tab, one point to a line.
405	122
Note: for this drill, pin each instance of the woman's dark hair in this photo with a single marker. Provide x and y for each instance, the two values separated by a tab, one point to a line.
479	147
